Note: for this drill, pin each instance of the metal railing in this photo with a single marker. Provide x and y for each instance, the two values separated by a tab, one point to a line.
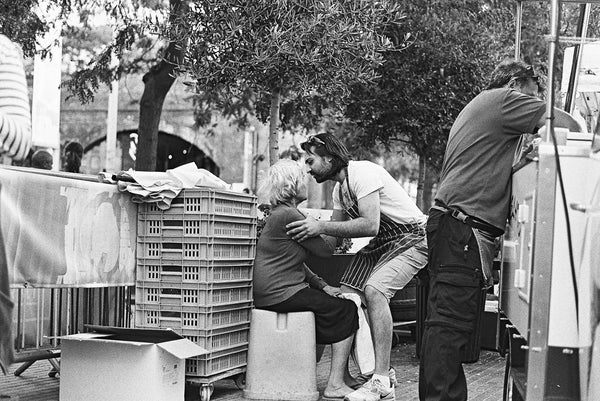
42	315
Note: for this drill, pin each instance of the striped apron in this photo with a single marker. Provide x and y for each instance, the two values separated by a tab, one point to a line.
392	240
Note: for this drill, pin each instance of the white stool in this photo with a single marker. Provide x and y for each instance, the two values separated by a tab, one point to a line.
281	357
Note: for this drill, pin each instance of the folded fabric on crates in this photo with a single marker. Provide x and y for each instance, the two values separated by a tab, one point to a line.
160	192
161	187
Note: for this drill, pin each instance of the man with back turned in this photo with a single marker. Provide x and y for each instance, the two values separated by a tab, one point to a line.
470	211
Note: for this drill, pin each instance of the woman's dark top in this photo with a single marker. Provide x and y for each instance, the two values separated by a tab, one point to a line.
279	270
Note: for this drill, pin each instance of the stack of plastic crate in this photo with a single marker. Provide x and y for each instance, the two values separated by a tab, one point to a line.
194	274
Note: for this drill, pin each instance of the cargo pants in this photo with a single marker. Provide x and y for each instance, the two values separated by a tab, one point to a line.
455	306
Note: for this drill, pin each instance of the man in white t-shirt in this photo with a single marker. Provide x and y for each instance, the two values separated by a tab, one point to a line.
368	201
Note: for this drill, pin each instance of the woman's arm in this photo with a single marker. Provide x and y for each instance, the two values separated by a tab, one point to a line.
313	279
320	246
317	282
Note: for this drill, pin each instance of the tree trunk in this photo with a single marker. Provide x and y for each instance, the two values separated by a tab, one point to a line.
427	179
421	182
157	83
274	128
429	182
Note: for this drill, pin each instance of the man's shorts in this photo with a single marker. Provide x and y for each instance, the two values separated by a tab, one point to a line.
397	272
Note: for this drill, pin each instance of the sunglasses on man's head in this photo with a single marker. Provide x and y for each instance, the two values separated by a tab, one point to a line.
528	73
314	140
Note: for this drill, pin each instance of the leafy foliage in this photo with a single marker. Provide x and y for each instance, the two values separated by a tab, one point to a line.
422	89
239	53
24	21
344	247
265	212
90	49
133	46
534	44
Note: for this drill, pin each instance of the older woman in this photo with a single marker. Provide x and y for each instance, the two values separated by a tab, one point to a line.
282	283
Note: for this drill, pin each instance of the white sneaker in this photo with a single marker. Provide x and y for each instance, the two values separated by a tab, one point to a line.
392	374
373	390
362	379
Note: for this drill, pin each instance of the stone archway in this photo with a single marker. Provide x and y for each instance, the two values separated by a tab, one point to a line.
173	151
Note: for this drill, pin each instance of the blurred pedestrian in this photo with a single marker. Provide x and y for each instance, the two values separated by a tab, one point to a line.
15	141
42	159
72	155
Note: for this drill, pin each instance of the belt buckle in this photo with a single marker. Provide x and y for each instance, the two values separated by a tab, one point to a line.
458	215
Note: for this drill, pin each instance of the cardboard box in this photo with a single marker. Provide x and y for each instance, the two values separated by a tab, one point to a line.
124	364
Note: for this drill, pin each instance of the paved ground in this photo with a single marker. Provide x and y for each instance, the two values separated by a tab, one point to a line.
485	379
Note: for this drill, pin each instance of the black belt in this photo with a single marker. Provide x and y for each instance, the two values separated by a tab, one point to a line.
468	220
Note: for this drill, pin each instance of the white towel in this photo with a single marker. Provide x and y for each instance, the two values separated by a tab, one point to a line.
191	176
363	351
161	187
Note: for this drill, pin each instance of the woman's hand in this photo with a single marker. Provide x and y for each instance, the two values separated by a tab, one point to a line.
333	291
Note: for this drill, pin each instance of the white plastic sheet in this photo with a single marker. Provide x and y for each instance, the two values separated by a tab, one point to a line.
61	231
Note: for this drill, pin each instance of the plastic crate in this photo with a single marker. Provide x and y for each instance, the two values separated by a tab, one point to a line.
180	318
190	248
194	271
184	225
219	339
216	362
192	294
207	200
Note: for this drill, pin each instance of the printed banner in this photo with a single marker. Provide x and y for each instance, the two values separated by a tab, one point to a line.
61	231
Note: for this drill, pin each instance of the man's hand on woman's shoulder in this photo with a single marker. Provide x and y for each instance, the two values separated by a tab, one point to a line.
303	229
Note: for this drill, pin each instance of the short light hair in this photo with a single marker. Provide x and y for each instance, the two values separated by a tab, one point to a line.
280	184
